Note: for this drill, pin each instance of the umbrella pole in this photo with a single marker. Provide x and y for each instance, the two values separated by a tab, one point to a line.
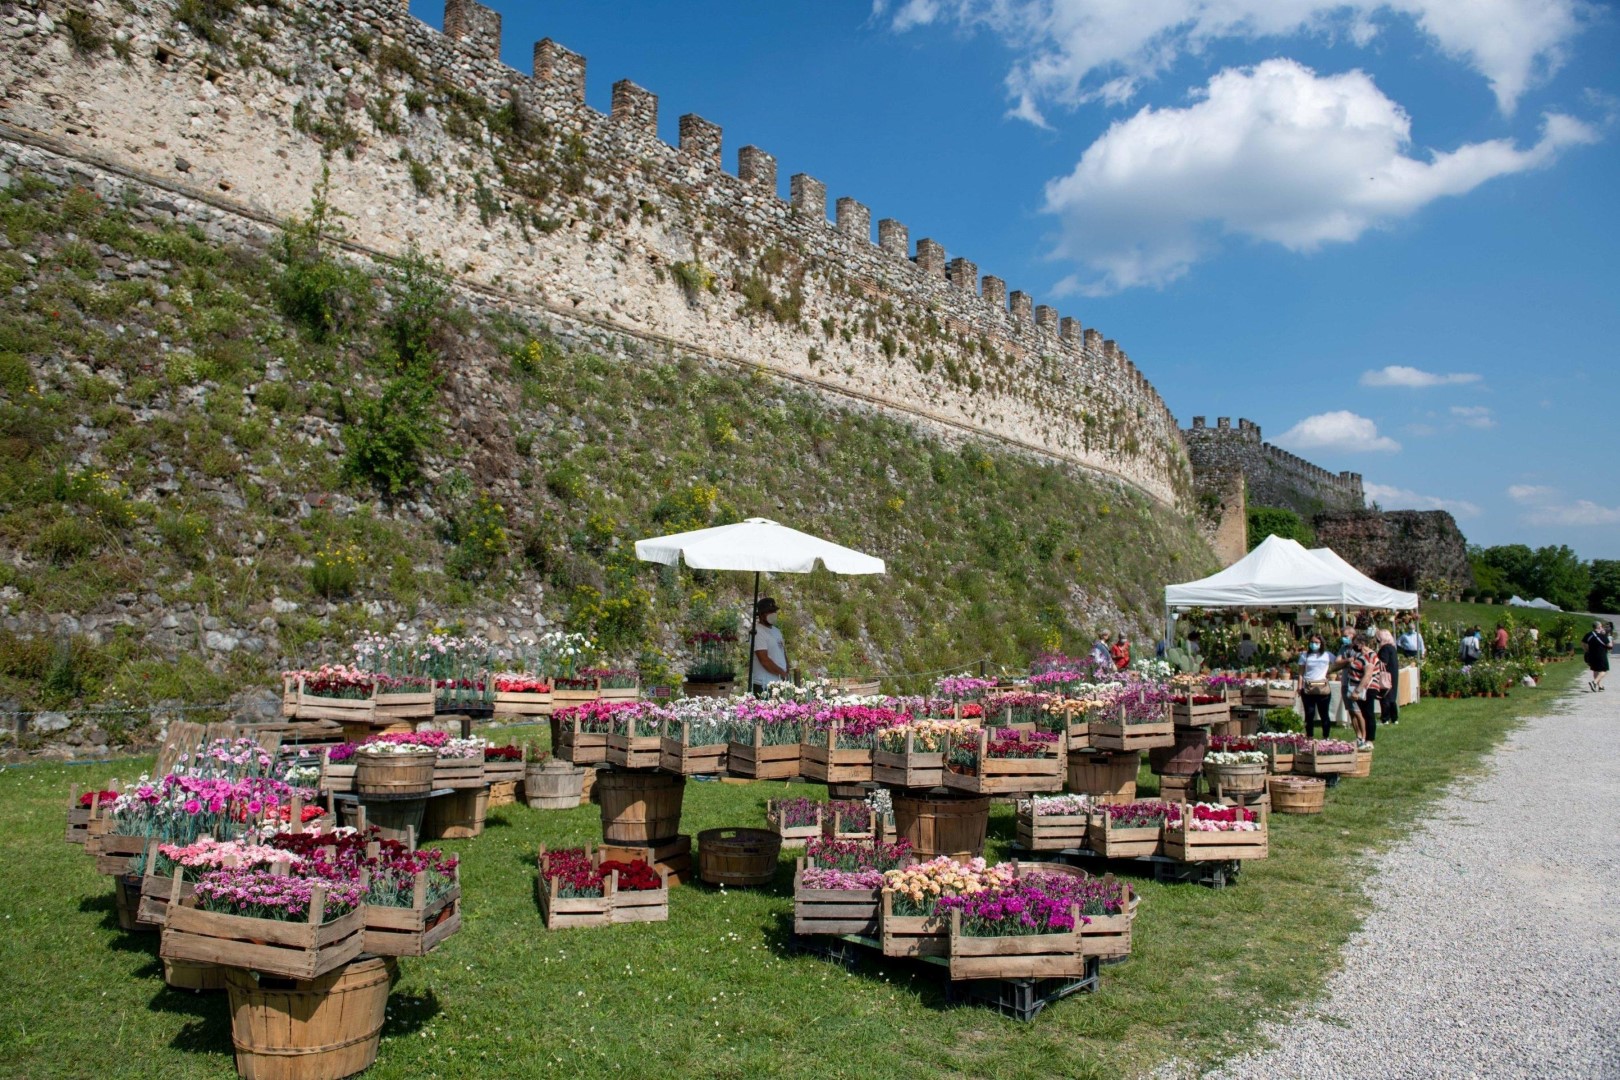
753	625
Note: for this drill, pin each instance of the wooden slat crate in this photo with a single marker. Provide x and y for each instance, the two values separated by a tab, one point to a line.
910	935
673	859
512	703
1031	956
293	950
821	759
759	761
1116	843
416	930
793	835
1190	845
1191	715
1010	776
1308	761
1051	832
114	852
458	773
909	767
833	911
635	751
679	756
1114	734
561	912
581	747
1266	697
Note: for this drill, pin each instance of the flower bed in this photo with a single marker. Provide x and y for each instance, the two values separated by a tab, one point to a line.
1129	830
1012	762
1053	823
1209	833
836	885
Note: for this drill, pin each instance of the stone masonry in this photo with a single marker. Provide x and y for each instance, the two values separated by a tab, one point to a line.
1273	475
521	188
1399	548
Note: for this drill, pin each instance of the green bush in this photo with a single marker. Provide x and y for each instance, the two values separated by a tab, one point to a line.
66	540
336	570
1283	720
389	435
480	537
313	289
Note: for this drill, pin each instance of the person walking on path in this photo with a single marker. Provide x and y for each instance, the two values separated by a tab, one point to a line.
1315	691
1598	643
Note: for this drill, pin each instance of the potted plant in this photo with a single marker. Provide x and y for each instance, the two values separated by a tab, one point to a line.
1053	822
1128	830
1006	762
1208	833
521	694
277	923
836	884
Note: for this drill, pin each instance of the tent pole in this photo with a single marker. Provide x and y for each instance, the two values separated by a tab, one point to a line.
753	625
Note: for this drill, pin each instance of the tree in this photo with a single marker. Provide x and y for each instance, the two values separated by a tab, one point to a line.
1267	521
1558	574
1506	569
1605	592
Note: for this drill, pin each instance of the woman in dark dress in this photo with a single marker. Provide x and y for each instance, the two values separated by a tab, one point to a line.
1598	643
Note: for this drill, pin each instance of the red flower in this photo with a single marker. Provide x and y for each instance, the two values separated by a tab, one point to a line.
89	798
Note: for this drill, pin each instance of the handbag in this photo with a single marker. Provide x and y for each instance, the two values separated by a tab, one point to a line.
1317	688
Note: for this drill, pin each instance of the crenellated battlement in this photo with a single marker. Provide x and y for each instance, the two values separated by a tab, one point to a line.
1275	476
565	193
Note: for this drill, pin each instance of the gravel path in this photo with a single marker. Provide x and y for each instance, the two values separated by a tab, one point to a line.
1528	853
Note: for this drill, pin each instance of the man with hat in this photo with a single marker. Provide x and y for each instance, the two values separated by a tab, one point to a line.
770	652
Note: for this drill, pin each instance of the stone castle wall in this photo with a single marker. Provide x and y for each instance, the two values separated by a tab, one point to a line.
520	187
1274	476
1403	549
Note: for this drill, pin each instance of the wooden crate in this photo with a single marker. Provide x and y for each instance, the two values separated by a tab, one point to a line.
1078	735
1191	715
1031	956
794	835
458	773
1311	763
758	761
293	950
1189	845
1266	697
581	747
909	767
503	793
514	703
634	751
1180	788
404	706
1050	832
1116	843
416	930
822	760
562	912
640	905
910	935
296	703
673	858
114	851
1109	936
1010	776
338	778
678	756
833	911
1114	734
1280	759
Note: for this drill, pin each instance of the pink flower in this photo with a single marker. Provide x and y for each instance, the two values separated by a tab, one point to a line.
193	806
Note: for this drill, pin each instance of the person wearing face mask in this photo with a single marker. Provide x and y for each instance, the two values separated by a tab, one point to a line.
1345	715
770	651
1315	691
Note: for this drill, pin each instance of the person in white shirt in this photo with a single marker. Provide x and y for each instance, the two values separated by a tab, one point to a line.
1316	692
770	652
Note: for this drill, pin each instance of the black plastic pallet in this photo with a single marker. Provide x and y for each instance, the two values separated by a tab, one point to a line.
1215	875
1021	999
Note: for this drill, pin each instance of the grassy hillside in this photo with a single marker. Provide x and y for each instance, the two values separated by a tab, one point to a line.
216	459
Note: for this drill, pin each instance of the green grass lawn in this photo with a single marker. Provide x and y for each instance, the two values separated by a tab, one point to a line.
715	991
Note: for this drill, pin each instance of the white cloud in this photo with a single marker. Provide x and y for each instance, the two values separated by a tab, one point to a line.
1546	506
1075	51
1394	498
1474	416
1414	378
1342	431
1274	153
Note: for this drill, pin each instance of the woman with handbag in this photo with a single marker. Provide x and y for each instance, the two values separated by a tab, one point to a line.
1371	680
1315	692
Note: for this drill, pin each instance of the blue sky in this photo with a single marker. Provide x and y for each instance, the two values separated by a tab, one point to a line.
1387	232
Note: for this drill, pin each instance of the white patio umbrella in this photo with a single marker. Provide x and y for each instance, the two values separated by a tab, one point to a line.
760	545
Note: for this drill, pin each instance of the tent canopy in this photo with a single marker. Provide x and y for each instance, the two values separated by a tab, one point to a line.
1281	573
1367	593
757	544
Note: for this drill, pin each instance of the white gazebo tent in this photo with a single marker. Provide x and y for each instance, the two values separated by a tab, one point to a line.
760	545
1367	592
1282	573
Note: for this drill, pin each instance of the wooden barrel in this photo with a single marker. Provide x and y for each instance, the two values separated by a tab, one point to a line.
1236	779
554	785
640	808
1185	758
397	776
1363	761
943	825
738	856
1107	778
457	816
399	819
193	975
309	1029
1297	794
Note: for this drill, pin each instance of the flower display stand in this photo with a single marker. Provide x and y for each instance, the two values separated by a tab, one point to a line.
1115	842
677	755
909	767
1186	844
416	930
911	935
793	836
1023	956
1008	775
